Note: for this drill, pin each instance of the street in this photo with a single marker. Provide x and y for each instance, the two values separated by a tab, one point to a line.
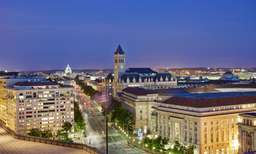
96	127
118	144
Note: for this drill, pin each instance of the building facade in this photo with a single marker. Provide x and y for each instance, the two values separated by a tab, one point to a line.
247	132
139	102
206	120
213	130
7	106
42	105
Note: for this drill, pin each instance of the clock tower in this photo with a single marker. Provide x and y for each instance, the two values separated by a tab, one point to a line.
119	67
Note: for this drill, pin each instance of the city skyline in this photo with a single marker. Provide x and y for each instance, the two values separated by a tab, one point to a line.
38	36
128	77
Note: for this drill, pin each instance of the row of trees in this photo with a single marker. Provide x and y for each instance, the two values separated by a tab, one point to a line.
161	145
61	134
79	120
88	90
123	118
38	133
155	143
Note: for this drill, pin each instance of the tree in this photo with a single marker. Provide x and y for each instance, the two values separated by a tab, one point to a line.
46	134
35	132
88	90
190	149
123	118
38	133
67	126
79	120
62	135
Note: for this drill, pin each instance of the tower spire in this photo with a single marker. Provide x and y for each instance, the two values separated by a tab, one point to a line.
119	67
119	50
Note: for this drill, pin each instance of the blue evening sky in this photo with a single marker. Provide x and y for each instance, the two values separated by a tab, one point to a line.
48	34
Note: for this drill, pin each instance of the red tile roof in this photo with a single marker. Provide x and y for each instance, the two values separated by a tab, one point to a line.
204	102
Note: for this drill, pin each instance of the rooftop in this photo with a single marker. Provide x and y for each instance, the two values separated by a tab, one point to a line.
181	97
141	91
138	91
250	114
215	100
216	95
2	73
35	83
140	70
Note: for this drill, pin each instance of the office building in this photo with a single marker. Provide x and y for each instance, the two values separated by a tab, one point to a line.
42	105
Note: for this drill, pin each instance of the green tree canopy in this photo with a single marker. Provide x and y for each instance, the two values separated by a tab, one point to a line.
88	90
67	126
35	132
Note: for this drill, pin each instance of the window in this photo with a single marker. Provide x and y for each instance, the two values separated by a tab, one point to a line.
217	137
211	138
205	138
195	138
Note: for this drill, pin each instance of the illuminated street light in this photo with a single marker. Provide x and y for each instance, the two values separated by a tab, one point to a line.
235	144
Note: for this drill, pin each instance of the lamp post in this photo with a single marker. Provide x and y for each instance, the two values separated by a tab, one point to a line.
106	119
235	145
106	108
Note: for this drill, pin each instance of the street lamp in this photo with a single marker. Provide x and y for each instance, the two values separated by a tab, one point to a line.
106	118
146	145
235	145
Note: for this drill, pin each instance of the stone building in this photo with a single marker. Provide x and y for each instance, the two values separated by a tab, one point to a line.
138	77
247	132
139	102
207	120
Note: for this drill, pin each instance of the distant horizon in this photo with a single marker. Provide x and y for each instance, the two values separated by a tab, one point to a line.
89	69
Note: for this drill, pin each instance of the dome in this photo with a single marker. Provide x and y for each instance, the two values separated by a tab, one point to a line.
229	76
68	70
